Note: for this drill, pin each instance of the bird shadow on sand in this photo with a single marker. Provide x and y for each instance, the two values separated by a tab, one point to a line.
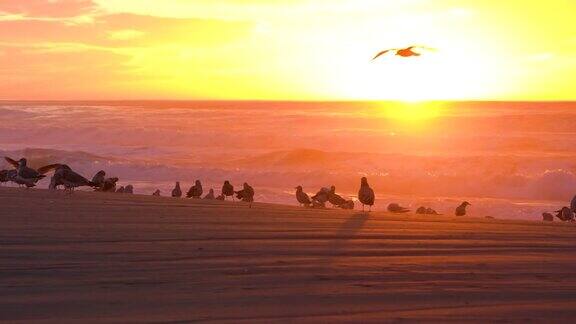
346	232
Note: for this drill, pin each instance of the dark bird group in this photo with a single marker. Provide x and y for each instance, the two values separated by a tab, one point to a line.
196	191
64	176
366	197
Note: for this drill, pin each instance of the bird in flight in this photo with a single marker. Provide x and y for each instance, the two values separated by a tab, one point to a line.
403	52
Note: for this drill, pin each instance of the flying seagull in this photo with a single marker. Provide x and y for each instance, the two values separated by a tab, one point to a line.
403	52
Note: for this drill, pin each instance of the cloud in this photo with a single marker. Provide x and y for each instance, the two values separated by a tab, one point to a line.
47	8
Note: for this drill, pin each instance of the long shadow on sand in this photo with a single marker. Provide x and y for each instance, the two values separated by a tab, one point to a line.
345	233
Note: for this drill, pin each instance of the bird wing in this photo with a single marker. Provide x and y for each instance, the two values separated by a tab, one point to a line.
424	48
76	178
11	161
381	53
48	168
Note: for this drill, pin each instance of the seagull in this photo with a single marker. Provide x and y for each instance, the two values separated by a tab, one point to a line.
302	197
348	205
210	195
109	185
99	178
335	199
426	211
403	52
366	194
129	189
461	210
547	217
65	176
397	209
565	214
320	198
195	191
221	197
120	190
156	193
26	175
246	194
3	176
177	192
228	190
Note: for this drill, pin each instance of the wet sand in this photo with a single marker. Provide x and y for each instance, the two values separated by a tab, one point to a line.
94	257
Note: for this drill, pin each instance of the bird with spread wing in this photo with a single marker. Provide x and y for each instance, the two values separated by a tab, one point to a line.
27	176
403	52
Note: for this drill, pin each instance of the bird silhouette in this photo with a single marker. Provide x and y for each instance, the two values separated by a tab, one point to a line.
246	194
3	176
402	52
99	178
461	210
320	198
366	194
228	190
335	199
397	209
109	185
210	195
129	189
156	193
65	176
177	192
195	191
302	197
26	175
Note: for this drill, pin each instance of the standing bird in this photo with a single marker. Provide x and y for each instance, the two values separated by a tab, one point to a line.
177	192
99	178
302	197
246	194
228	190
195	191
397	209
156	193
210	195
461	210
65	176
403	52
366	194
26	175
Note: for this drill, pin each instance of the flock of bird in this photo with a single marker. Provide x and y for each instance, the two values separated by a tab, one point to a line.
64	176
24	175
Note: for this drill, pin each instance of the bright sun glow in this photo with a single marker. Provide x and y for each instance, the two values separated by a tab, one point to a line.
295	50
411	111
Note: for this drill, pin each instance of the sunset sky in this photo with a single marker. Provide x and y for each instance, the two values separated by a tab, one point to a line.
295	50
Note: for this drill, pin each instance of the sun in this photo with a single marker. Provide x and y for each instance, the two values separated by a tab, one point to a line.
411	111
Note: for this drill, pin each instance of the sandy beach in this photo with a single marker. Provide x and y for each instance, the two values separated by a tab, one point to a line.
109	257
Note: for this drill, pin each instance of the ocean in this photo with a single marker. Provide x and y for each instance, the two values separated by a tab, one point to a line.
509	159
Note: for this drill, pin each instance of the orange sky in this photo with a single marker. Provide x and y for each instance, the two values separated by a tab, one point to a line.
296	50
